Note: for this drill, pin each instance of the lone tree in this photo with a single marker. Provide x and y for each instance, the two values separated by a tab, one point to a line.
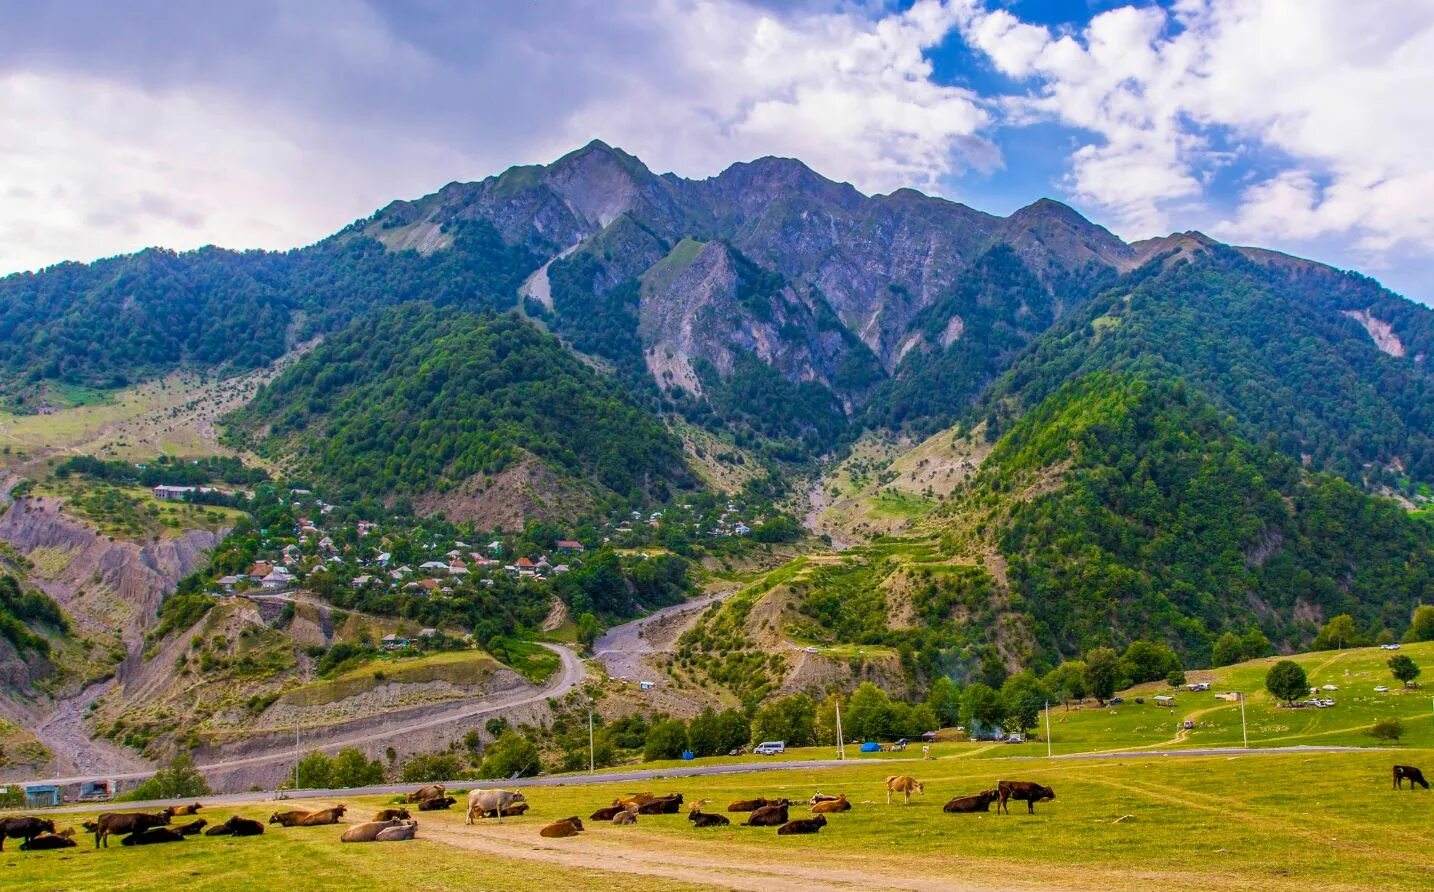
1404	669
1287	681
1102	673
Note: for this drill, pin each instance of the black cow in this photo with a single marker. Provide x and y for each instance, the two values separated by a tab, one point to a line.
699	819
768	816
1414	776
47	841
963	805
152	836
1022	791
802	825
24	828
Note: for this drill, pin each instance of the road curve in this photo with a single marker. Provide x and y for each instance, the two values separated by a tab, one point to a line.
621	649
571	673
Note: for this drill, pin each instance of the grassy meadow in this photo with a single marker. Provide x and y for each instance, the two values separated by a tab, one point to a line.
1267	822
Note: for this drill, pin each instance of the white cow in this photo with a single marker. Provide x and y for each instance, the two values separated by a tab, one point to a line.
500	801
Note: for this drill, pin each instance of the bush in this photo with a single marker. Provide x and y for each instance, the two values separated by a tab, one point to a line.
665	740
511	755
351	769
1286	680
181	780
1387	729
426	768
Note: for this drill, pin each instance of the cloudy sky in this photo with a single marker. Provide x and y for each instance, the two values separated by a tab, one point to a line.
1303	125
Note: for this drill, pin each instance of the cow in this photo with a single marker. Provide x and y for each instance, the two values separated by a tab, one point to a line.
754	804
802	825
1022	791
287	818
828	806
437	803
184	810
368	831
561	829
121	823
192	828
67	833
822	797
388	814
45	842
699	819
964	805
607	813
633	800
309	818
152	836
480	801
90	826
1414	775
517	808
624	817
664	805
432	791
905	785
768	816
236	826
25	829
405	831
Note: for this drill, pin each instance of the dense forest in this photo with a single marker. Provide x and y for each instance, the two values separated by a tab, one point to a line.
419	399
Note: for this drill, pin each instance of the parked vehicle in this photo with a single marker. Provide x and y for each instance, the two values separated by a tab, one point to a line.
770	748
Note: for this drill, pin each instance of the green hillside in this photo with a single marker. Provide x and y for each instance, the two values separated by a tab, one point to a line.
420	399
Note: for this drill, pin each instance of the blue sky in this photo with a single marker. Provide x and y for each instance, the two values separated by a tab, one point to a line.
1300	125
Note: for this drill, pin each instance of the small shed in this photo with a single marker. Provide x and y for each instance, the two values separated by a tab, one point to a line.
41	795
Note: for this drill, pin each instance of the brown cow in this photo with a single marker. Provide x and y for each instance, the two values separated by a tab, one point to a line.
1022	791
26	828
965	805
607	813
236	826
664	805
561	829
184	810
699	819
802	825
828	806
904	784
47	841
437	803
754	804
121	823
1414	776
192	828
369	831
624	817
633	799
388	814
432	791
517	808
768	816
308	818
152	836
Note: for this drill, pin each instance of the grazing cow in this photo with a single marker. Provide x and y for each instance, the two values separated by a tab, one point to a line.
802	825
607	813
517	808
192	828
388	814
561	829
1414	775
368	831
152	836
828	806
121	823
26	828
432	791
698	819
624	817
437	803
664	805
405	831
184	810
768	816
46	841
905	785
481	801
1022	791
964	805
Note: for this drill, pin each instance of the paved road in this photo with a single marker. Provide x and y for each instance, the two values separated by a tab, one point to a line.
571	673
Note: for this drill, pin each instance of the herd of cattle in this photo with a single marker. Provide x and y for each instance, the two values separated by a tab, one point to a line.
396	824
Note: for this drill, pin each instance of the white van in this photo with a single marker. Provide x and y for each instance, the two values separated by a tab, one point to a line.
770	748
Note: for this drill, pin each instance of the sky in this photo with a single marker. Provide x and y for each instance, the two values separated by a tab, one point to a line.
1300	125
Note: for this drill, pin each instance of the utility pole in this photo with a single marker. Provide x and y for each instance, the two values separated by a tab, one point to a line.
841	744
1048	729
1244	733
591	766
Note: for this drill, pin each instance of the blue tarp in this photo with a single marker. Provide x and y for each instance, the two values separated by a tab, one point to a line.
687	755
871	746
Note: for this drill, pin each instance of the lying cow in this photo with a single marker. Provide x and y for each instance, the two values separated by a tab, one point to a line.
607	813
432	791
562	829
1022	791
388	814
45	842
437	803
665	805
699	819
751	804
236	826
499	801
624	817
192	828
829	806
369	831
308	818
963	805
122	823
152	836
822	797
802	825
517	808
633	800
403	832
184	810
768	816
1412	774
25	829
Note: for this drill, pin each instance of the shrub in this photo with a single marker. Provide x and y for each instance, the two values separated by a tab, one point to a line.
511	755
1388	729
181	780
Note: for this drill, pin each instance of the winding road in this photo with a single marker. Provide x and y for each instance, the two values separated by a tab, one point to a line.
621	649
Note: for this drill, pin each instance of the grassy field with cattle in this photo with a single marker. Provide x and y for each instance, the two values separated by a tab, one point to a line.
1268	822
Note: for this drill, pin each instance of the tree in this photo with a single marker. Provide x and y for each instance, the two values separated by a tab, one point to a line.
351	769
1149	661
704	734
587	629
1102	673
1228	650
980	708
1286	681
1254	644
512	754
1066	682
1421	624
868	713
665	740
181	780
945	701
1388	728
428	767
1338	633
733	730
787	718
315	772
1022	699
1404	669
1176	678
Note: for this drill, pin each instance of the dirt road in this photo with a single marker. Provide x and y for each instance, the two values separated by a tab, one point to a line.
623	649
